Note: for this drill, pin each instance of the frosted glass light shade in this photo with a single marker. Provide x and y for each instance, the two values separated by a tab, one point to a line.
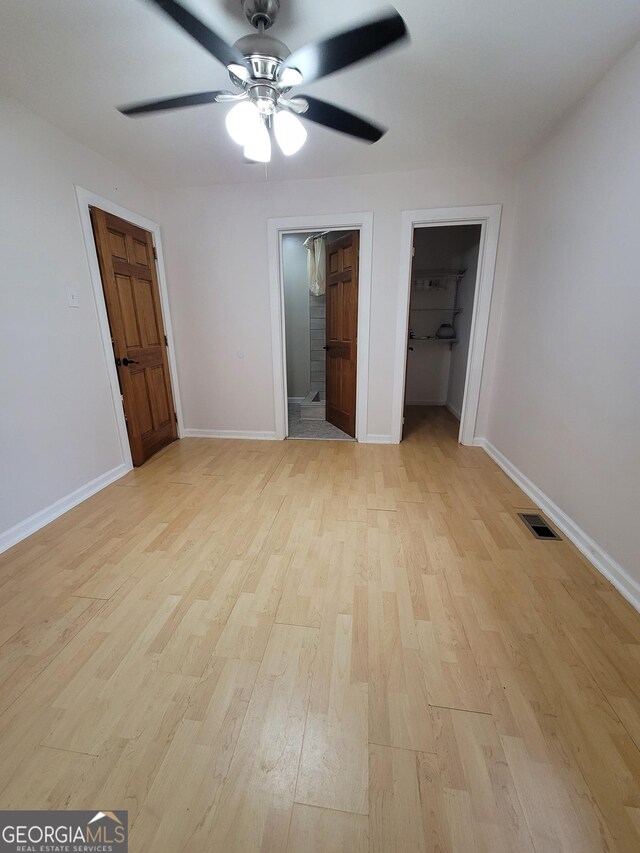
291	77
258	146
242	121
290	132
240	71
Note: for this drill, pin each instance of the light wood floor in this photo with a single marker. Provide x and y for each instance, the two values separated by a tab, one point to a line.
309	647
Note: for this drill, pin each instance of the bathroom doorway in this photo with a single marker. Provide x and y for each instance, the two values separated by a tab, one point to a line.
320	289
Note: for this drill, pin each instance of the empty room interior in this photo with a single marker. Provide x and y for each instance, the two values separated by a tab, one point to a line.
320	466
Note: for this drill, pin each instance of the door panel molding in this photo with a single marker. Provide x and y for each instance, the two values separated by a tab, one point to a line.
150	427
342	330
86	199
362	222
488	217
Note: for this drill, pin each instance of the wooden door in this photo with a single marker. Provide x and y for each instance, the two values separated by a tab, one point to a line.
130	283
342	331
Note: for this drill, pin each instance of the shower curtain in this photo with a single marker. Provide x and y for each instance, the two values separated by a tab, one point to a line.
316	264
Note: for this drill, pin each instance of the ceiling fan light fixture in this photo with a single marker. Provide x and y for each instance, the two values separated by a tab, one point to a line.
290	133
291	77
263	70
258	146
243	122
266	106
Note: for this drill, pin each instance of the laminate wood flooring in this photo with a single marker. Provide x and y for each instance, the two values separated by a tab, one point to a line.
313	647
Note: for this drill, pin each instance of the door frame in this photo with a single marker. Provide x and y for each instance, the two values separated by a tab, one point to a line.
277	228
87	198
488	217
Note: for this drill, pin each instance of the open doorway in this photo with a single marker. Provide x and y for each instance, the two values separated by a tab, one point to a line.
320	289
444	274
362	223
488	218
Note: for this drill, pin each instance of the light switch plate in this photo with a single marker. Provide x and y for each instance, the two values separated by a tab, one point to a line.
72	297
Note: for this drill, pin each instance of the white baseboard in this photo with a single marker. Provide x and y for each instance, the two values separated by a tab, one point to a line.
230	433
378	439
38	520
456	414
603	562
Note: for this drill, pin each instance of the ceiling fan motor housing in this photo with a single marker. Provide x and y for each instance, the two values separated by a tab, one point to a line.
261	14
265	55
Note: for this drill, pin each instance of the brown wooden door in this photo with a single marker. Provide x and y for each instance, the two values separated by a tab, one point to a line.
342	331
130	284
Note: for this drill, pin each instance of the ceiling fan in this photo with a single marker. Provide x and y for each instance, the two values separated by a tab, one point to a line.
263	71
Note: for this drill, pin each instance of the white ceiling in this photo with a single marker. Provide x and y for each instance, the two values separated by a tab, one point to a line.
480	82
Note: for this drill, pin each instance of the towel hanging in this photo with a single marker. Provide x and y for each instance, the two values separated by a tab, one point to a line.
316	264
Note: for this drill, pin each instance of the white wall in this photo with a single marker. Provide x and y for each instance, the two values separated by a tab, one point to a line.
296	311
469	250
57	424
215	243
566	402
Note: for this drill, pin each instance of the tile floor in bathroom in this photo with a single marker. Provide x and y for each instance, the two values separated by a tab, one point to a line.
311	428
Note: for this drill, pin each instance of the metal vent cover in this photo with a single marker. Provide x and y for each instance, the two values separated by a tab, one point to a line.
538	526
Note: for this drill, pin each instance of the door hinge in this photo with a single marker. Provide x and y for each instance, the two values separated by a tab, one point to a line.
413	251
155	253
166	342
175	417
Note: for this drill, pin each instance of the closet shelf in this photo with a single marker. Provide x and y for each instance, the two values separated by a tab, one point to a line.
442	273
435	278
454	310
434	338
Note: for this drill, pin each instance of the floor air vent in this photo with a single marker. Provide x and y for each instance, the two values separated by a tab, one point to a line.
538	526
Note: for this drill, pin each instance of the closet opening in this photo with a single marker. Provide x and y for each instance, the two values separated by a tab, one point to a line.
444	273
320	272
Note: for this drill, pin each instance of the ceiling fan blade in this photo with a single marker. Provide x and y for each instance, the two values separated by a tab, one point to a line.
171	103
211	41
318	59
338	119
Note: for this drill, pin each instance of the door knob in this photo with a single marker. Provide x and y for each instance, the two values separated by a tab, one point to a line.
327	347
127	361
